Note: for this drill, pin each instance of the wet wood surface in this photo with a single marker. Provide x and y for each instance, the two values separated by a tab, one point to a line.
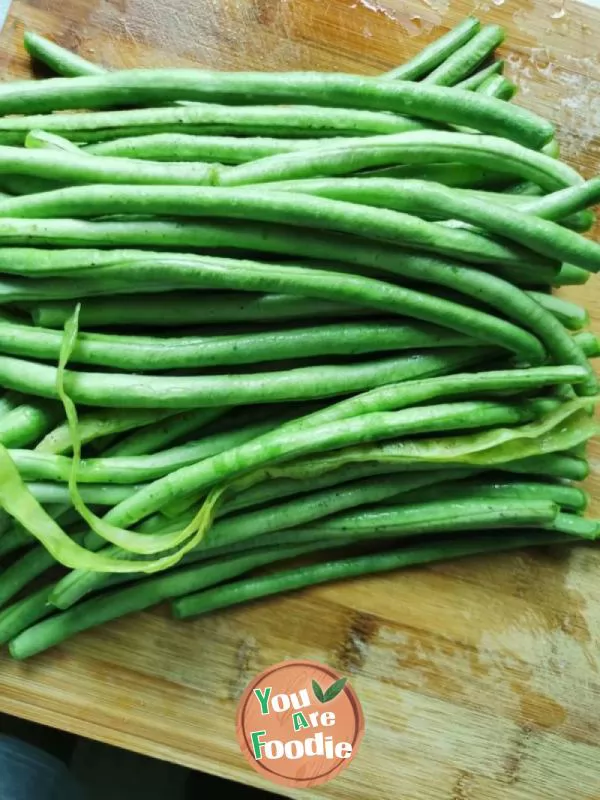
479	679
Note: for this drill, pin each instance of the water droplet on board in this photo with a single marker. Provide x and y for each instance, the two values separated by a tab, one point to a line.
498	2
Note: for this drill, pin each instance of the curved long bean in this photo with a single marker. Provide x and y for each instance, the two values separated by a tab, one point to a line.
189	147
119	390
435	53
190	308
74	168
302	122
421	147
438	104
467	58
59	59
138	353
572	316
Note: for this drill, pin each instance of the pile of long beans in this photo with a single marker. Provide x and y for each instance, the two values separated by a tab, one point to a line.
252	317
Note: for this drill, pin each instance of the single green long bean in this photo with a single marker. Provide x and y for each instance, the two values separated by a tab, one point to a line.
555	465
467	58
98	494
571	275
427	518
188	308
120	390
474	81
421	147
138	353
59	59
430	57
293	579
302	122
187	147
574	525
572	316
58	165
483	489
439	104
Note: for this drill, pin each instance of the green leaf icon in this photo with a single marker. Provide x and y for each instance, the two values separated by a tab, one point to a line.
318	692
334	690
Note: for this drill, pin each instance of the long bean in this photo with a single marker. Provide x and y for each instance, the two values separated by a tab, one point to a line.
301	122
467	58
59	59
26	569
98	494
273	207
198	308
475	80
570	315
187	147
421	147
434	103
435	53
483	489
291	580
77	168
120	390
138	353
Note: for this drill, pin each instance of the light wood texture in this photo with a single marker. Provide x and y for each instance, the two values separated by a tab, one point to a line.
479	680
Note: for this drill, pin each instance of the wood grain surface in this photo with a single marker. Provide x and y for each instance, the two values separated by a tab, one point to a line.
480	679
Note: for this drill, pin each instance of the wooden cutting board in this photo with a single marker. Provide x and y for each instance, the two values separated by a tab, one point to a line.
479	680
